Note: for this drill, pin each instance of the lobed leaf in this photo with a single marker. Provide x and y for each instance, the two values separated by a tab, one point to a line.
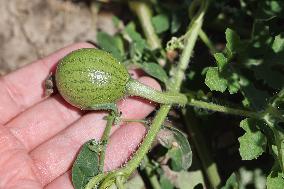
275	179
214	81
253	142
221	61
233	41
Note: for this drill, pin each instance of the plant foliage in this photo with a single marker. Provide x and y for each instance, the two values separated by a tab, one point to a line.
237	68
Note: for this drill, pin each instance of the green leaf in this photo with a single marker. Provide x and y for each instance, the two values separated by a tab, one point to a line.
270	8
111	44
233	83
116	21
86	164
278	132
188	180
278	43
184	146
138	43
214	81
176	158
179	148
161	23
155	70
253	142
232	182
165	182
221	61
275	179
233	41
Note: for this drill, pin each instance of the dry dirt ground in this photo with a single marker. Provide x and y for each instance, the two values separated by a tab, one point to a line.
31	29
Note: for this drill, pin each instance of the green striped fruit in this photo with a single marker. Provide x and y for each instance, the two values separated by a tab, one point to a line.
87	78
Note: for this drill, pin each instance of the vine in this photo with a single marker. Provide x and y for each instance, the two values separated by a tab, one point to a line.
107	179
263	116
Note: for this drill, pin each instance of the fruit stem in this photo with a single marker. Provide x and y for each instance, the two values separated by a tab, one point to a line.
104	139
135	88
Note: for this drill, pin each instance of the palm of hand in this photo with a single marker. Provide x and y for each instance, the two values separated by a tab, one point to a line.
40	137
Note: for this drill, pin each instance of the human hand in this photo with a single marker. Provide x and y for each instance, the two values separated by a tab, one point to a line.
40	137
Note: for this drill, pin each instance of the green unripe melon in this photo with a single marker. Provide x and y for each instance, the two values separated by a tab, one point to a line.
89	77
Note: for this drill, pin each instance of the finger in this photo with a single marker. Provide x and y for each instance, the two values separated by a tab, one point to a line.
55	156
24	87
121	143
52	115
16	166
43	121
62	182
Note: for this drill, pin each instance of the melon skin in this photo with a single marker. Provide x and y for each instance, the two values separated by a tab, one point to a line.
89	77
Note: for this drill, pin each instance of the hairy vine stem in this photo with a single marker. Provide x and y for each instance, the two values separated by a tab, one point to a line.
152	177
191	37
176	81
224	109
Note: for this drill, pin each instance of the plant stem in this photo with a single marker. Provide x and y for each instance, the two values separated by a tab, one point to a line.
224	109
164	109
209	166
134	120
162	113
135	88
203	36
149	138
139	154
178	72
104	139
152	177
144	13
279	138
119	183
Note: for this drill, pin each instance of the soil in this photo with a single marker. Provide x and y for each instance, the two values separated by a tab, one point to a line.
31	29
